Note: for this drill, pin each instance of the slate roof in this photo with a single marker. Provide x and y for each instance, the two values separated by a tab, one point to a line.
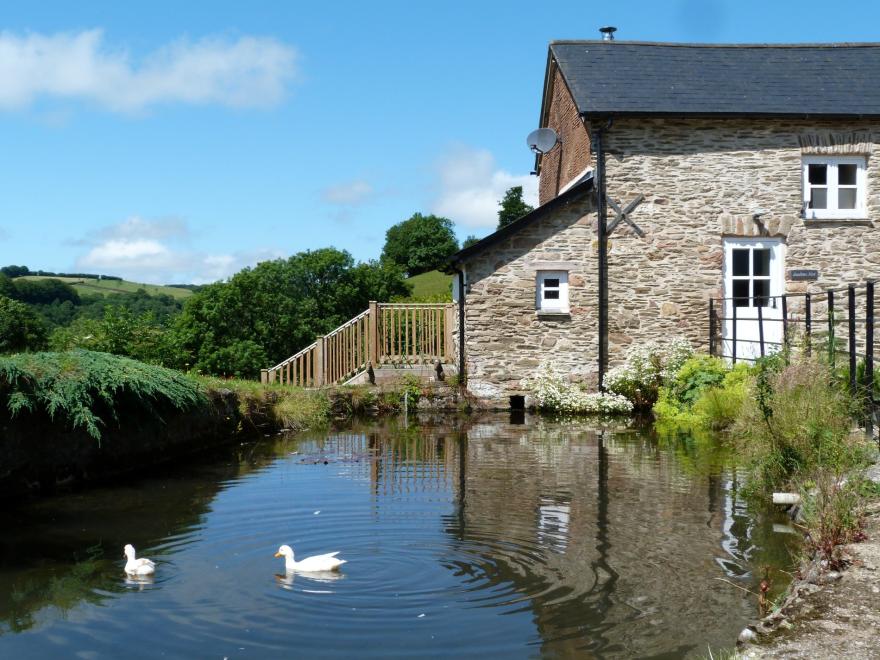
582	187
629	77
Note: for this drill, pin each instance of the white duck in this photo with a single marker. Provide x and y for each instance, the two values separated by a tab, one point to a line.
316	564
136	566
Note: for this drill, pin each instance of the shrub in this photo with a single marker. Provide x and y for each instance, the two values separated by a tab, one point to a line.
86	390
719	407
645	370
695	375
705	393
552	391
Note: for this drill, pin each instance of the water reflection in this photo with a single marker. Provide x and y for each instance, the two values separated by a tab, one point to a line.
309	582
498	536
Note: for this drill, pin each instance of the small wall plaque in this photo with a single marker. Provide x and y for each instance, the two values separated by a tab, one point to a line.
803	275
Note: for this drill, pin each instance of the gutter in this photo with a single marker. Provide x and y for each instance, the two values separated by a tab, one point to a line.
602	236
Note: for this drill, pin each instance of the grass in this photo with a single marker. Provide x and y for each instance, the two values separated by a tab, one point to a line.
91	286
88	390
432	284
274	406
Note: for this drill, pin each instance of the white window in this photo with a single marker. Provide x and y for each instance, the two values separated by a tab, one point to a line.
834	187
552	291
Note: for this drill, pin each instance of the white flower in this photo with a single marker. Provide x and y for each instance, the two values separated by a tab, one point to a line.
552	392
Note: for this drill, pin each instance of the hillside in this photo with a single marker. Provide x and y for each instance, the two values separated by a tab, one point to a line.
91	286
432	284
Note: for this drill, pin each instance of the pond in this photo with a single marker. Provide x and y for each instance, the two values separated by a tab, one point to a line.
491	536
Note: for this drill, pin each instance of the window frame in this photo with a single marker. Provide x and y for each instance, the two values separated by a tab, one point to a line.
832	186
551	305
751	278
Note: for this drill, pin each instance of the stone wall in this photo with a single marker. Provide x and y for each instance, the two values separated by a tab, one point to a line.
702	181
572	155
506	340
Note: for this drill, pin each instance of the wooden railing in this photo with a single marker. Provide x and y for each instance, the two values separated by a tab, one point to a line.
401	334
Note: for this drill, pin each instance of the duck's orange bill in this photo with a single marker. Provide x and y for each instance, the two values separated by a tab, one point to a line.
278	554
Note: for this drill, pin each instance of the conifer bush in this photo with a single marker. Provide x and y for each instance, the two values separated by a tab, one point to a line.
88	390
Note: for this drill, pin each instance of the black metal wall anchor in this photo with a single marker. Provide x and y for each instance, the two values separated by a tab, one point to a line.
623	216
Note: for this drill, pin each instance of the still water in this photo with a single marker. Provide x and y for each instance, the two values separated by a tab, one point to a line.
487	538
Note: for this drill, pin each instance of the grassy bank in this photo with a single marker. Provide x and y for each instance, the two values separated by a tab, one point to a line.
81	415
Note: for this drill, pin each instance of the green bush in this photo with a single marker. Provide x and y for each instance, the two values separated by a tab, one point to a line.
120	332
695	375
705	393
719	407
87	390
20	329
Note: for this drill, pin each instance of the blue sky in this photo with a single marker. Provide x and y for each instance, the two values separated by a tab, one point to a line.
169	142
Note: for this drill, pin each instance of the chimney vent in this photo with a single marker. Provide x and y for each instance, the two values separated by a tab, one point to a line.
608	32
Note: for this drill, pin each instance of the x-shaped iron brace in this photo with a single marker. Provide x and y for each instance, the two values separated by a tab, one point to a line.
624	215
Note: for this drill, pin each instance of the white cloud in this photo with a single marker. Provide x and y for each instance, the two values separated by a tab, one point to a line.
349	193
159	251
471	186
247	72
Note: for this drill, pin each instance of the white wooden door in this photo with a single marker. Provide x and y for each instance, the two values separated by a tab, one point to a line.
753	286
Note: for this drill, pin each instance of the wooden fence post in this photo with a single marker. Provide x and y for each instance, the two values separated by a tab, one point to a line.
264	376
448	324
373	341
319	362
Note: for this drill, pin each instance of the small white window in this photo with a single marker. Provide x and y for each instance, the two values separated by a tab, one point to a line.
834	187
552	291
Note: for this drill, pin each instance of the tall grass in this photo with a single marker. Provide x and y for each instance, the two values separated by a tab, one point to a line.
799	421
274	406
87	390
799	435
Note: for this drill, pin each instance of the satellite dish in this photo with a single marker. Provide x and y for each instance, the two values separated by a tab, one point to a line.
542	140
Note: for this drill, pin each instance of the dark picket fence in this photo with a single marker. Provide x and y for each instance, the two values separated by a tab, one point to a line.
840	321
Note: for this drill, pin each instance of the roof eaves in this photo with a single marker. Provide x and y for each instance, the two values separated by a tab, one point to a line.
583	186
671	44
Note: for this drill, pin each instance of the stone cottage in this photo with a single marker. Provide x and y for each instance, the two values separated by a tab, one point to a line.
720	169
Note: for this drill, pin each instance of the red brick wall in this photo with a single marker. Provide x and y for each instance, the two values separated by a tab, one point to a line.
572	155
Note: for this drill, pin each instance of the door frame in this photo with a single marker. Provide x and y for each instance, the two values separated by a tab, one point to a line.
747	316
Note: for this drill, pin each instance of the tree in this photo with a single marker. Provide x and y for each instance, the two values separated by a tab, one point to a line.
20	329
470	240
512	207
15	271
279	307
420	244
121	332
43	292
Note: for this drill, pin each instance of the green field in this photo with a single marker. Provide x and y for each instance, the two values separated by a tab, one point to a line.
91	286
432	284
